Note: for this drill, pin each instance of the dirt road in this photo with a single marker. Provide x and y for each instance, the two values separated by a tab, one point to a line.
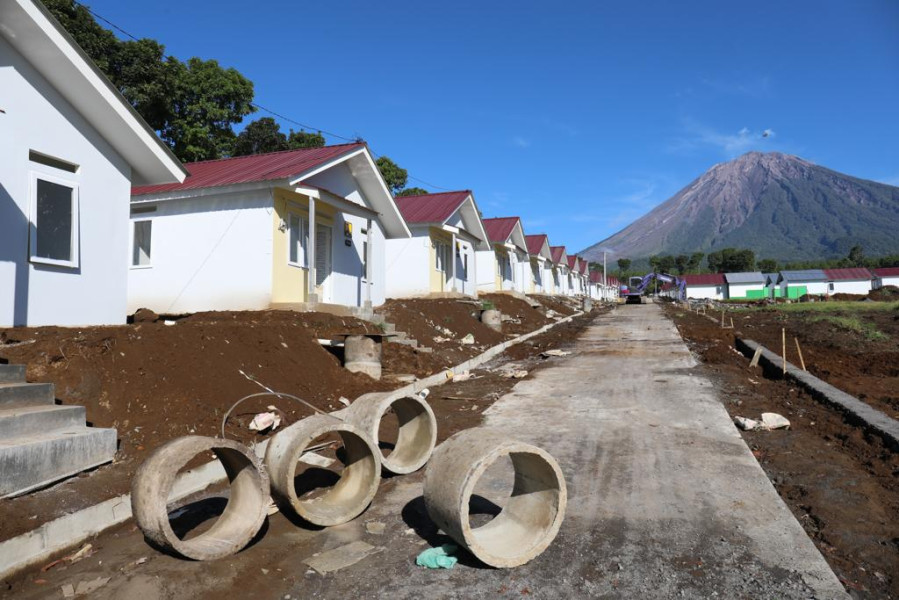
665	500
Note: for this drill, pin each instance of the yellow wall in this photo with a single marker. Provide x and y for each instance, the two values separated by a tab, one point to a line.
499	253
438	279
289	281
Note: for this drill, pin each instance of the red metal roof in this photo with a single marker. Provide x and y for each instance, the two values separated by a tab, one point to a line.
595	276
844	274
535	243
585	266
704	279
247	169
431	208
500	228
887	272
572	260
557	252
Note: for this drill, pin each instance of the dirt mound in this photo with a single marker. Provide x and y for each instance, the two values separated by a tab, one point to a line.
526	318
563	307
888	293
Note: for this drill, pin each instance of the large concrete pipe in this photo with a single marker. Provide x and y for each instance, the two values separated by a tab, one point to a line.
243	516
358	482
362	354
531	517
493	319
417	433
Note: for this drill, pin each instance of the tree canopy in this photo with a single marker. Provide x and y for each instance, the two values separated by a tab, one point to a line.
731	260
265	135
394	175
193	105
413	191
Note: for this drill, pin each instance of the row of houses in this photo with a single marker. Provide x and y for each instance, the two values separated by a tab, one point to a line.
98	217
789	284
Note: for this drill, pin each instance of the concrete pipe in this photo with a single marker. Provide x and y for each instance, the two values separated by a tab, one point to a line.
358	482
362	354
588	304
531	517
243	516
493	319
417	433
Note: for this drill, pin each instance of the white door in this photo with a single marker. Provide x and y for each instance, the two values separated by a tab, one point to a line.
323	262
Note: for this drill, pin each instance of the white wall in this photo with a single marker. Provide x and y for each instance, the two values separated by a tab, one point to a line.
882	281
208	253
486	270
738	290
465	282
714	292
849	287
37	118
408	265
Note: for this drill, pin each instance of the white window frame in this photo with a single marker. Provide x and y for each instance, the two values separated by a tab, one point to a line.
134	223
440	257
75	256
304	245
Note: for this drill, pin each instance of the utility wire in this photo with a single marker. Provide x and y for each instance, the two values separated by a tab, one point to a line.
259	106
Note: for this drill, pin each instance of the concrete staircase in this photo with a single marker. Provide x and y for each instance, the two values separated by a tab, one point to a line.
40	441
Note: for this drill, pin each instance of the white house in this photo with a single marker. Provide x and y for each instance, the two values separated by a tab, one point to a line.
447	231
506	265
886	276
559	271
706	286
297	229
541	263
575	279
856	280
749	285
70	148
795	284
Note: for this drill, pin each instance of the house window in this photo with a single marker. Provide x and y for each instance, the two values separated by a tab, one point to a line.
364	259
298	239
54	221
141	243
440	257
830	287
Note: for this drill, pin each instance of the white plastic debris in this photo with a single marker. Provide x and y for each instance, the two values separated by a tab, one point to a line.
264	421
467	340
746	424
344	401
774	421
424	393
554	353
464	376
515	374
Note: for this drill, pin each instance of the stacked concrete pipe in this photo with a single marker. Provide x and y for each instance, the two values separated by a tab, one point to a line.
243	516
532	515
493	319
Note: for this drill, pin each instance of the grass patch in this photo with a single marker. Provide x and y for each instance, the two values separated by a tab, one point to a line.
852	323
834	307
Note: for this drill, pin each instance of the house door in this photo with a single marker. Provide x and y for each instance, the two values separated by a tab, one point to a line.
323	262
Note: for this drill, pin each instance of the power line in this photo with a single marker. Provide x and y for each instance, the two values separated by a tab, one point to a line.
259	106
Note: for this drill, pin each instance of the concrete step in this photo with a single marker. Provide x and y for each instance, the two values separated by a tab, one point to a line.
34	461
12	373
27	420
26	394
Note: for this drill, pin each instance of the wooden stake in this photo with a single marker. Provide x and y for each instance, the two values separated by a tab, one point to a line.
722	318
799	350
731	322
755	357
783	336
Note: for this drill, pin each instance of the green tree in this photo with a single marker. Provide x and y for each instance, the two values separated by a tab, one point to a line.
857	256
193	105
695	263
731	260
768	265
260	136
412	191
624	264
665	263
305	139
680	262
394	176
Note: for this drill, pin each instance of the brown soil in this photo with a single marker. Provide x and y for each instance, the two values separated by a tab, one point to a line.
563	307
866	368
524	317
841	483
154	382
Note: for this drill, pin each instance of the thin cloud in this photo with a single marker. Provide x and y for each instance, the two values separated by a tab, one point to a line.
759	87
730	144
521	142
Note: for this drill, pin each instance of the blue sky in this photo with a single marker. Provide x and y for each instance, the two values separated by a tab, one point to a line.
577	116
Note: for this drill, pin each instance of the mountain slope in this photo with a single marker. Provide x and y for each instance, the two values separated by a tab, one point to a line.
778	205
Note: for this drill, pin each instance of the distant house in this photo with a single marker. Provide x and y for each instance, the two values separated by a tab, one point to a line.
70	148
795	284
447	231
772	289
849	281
706	286
540	257
574	276
886	276
559	270
598	291
750	286
506	265
300	229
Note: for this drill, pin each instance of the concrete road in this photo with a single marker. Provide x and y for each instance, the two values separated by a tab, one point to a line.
665	501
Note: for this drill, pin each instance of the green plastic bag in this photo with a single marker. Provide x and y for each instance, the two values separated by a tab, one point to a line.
440	557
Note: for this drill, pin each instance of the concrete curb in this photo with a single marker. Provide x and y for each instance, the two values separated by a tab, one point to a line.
65	532
857	412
